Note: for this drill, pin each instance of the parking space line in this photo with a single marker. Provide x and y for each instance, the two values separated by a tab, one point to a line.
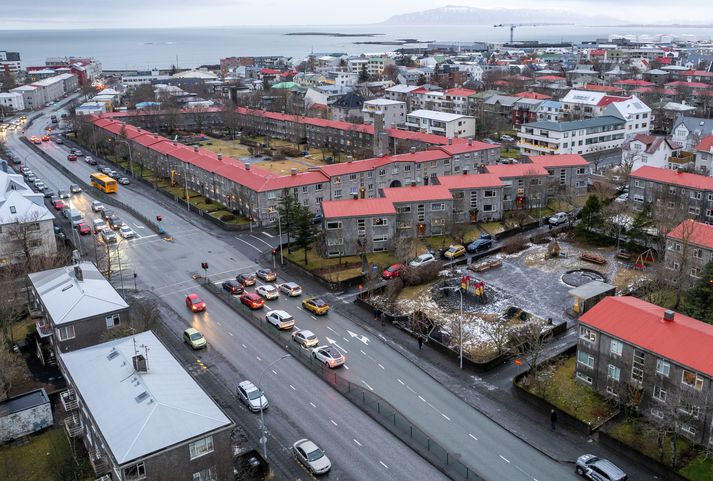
357	442
382	463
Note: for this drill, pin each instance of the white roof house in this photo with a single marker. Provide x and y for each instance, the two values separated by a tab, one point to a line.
436	115
67	298
139	412
18	208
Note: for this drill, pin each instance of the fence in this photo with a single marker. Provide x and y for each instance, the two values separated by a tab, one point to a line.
97	194
372	404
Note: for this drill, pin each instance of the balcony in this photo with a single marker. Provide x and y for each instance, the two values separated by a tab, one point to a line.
100	464
73	425
69	400
44	329
106	477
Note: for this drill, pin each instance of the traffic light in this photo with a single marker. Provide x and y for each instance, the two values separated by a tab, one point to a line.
204	265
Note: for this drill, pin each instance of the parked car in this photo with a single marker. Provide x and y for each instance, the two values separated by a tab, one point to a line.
97	206
422	260
267	275
246	279
71	157
393	271
329	355
89	160
598	469
292	289
109	236
25	171
58	140
316	305
105	170
268	291
39	185
195	303
31	177
558	218
75	189
454	252
507	138
484	242
251	396
311	456
124	180
113	174
126	232
622	197
252	300
48	193
233	286
280	319
194	338
305	338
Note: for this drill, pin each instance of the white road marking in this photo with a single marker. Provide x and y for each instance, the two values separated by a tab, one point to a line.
269	235
335	332
231	334
370	388
347	340
312	404
332	341
410	389
332	421
421	398
382	463
445	416
274	372
360	337
357	442
472	436
504	459
258	358
313	317
399	380
382	367
248	243
292	387
257	238
218	322
362	352
346	367
244	346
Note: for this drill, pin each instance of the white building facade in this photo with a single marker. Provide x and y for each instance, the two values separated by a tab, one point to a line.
441	123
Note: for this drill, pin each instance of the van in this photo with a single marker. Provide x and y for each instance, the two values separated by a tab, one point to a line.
75	217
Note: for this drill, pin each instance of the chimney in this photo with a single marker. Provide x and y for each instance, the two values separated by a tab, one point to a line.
470	141
78	273
293	171
349	159
220	156
668	315
450	141
355	196
413	150
465	171
140	364
195	148
175	143
247	165
413	183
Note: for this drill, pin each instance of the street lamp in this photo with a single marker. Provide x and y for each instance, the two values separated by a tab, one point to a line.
263	428
460	322
128	146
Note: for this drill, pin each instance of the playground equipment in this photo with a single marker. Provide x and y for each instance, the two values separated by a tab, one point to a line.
475	288
553	249
593	258
646	257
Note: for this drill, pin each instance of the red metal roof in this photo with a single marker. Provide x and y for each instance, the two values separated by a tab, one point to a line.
417	193
690	85
464	147
289	181
460	92
563	160
505	171
551	78
470	181
639	83
654	90
610	99
357	207
532	95
706	144
684	340
601	88
694	232
674	177
147	139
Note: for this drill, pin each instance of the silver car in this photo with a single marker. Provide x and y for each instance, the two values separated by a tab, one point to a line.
311	456
292	289
598	469
329	355
251	396
305	338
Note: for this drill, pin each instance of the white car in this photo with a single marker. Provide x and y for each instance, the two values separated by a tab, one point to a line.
558	218
280	319
311	456
253	397
305	338
292	289
97	206
39	184
422	260
622	198
126	232
329	355
268	291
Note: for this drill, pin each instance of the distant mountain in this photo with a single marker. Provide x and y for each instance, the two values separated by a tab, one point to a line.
456	15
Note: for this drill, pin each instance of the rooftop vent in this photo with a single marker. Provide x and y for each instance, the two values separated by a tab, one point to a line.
195	148
140	364
293	171
470	141
112	354
142	397
247	165
220	156
668	315
414	183
450	141
413	150
78	273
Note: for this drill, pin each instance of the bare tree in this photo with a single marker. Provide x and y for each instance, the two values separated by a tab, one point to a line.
528	342
10	366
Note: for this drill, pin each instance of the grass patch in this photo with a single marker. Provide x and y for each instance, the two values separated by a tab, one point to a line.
561	390
700	469
338	271
665	298
48	455
20	330
509	153
237	221
438	241
492	228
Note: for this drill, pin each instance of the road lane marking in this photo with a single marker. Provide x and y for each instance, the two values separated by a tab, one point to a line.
504	459
346	367
292	387
399	380
421	398
231	334
472	436
382	367
257	238
445	416
313	317
410	389
269	235
258	358
274	372
370	388
219	323
248	243
362	352
347	340
312	404
335	332
357	442
332	421
244	346
382	463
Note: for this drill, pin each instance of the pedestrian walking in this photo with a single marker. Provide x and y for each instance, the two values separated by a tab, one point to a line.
376	314
553	419
420	342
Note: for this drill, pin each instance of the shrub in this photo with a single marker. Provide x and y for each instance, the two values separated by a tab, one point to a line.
208	200
414	276
514	244
227	217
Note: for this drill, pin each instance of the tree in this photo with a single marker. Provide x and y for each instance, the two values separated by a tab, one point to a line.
305	229
591	214
636	232
699	300
287	208
528	341
8	80
10	367
363	74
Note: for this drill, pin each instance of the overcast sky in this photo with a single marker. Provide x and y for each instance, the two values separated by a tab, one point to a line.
44	14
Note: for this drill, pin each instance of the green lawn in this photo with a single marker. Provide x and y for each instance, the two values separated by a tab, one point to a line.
561	390
46	457
509	153
237	221
315	262
700	469
493	228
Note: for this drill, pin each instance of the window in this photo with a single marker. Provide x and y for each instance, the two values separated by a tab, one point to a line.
615	347
663	367
694	210
696	195
695	272
614	372
112	321
611	390
65	333
689	429
207	474
201	447
135	472
334	225
337	193
382	172
581	171
692	379
587	334
698	253
377	221
489	193
660	393
272	195
337	180
380	238
13	210
318	187
438	207
637	369
584	378
585	358
352	177
488	208
32	243
404	209
690	409
657	413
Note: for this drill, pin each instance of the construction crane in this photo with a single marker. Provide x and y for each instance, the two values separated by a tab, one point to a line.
513	26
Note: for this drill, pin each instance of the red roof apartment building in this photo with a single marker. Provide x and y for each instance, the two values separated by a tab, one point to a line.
689	247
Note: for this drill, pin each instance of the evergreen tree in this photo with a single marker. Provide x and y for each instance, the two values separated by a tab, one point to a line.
287	208
363	74
699	300
591	214
636	232
305	229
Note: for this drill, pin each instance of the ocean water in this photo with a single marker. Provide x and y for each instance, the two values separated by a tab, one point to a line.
190	47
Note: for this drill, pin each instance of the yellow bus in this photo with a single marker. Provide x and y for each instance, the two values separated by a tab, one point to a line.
103	182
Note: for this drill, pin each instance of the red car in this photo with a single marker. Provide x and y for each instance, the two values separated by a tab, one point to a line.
252	300
71	157
58	204
84	229
195	303
45	138
392	271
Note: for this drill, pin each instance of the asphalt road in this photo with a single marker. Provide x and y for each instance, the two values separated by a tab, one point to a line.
302	405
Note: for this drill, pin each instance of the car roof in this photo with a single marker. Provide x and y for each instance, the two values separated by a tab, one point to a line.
607	465
307	445
269	287
306	332
192	296
290	284
279	312
191	330
248	385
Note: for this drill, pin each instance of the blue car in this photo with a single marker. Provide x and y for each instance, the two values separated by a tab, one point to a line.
485	242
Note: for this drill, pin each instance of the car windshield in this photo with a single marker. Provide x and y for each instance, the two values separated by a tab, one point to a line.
310	337
254	394
452	249
393	268
318	302
196	300
315	455
196	336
